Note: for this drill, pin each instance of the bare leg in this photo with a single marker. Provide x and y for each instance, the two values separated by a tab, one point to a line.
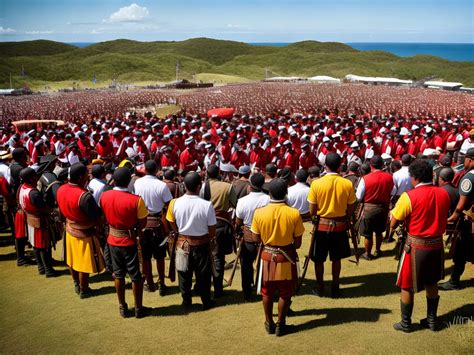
138	293
283	305
120	288
268	309
160	265
369	242
84	281
379	239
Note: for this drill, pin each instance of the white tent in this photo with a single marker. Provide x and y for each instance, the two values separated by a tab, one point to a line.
6	91
284	78
377	80
324	79
443	85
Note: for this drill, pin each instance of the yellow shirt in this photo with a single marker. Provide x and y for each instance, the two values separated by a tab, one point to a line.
277	224
403	207
331	193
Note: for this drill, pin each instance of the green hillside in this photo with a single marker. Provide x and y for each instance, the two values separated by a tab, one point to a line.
132	61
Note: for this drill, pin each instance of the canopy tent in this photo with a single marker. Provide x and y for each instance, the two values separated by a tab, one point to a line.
284	78
377	80
443	85
324	79
222	112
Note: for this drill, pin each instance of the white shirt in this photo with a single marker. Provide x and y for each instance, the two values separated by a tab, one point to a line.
96	187
298	197
247	205
154	192
360	192
193	215
401	181
5	172
466	145
73	158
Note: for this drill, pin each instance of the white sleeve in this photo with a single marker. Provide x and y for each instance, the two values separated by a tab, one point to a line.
211	216
166	194
360	190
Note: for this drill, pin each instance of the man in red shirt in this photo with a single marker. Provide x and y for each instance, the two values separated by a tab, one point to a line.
374	191
187	158
425	210
126	215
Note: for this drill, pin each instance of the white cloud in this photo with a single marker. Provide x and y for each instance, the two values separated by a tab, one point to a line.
230	25
38	32
6	30
132	13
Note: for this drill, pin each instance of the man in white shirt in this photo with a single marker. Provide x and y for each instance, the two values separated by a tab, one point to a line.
156	195
402	179
195	220
97	184
466	145
298	195
244	212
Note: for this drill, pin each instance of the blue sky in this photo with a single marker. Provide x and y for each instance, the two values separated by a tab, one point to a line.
443	21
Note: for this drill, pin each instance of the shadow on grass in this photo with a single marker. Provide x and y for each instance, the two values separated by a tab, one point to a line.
379	284
8	257
336	316
459	316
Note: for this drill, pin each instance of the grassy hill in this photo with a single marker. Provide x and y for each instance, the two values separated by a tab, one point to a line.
132	61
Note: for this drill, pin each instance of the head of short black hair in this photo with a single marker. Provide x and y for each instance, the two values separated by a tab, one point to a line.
365	169
27	175
212	171
169	174
301	175
406	159
314	171
447	174
278	189
446	161
333	161
151	167
192	181
122	177
271	169
377	162
97	171
18	154
77	171
256	182
421	170
353	167
396	165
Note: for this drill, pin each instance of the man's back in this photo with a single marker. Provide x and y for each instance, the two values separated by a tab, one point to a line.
154	192
331	193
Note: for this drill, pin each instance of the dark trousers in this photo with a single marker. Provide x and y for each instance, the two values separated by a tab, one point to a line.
44	261
464	250
223	247
199	264
247	258
20	244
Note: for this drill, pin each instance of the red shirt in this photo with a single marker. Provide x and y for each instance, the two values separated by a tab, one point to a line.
68	197
121	210
378	187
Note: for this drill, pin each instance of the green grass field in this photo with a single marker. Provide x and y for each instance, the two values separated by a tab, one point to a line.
40	315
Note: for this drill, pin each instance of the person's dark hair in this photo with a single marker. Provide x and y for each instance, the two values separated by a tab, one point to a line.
285	174
353	167
271	170
169	174
406	159
18	154
151	167
314	171
301	175
364	169
192	181
122	177
377	162
447	174
27	175
395	165
278	189
98	171
421	170
212	171
333	161
76	172
343	168
256	182
446	161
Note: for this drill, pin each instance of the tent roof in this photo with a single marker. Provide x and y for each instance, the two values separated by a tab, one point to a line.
443	84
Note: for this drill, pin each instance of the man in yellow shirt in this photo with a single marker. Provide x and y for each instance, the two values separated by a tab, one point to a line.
280	229
331	199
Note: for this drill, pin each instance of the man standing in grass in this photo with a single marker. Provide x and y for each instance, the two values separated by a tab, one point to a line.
331	199
425	210
280	228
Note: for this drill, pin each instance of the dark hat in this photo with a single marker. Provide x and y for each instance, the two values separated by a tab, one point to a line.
257	181
27	174
470	153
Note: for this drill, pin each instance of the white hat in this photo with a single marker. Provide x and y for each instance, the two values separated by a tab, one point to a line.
414	127
404	131
386	156
354	145
326	139
189	141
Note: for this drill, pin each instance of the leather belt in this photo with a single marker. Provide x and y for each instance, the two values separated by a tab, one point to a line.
249	237
79	230
153	221
425	242
336	224
194	240
306	217
120	233
276	251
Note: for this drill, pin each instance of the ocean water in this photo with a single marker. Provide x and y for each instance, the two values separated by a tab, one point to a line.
453	51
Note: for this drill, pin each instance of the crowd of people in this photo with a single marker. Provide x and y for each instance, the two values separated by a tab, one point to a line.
122	188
